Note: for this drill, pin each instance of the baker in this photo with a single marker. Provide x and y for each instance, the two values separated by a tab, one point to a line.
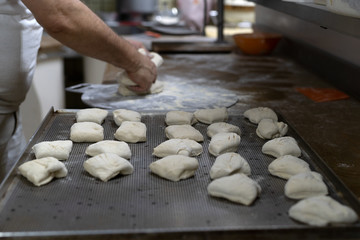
74	25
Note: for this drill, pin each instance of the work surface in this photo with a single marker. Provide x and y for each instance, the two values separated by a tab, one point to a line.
330	128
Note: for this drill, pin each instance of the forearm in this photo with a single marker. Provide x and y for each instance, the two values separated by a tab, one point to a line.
77	27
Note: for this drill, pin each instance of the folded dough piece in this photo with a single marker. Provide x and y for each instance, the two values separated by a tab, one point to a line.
256	114
180	118
86	132
209	116
95	115
42	171
220	127
185	147
120	148
237	188
121	115
321	211
287	166
281	146
107	165
304	185
59	149
223	143
131	132
229	163
175	167
183	132
269	129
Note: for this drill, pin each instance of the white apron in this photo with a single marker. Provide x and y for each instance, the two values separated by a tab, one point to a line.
20	37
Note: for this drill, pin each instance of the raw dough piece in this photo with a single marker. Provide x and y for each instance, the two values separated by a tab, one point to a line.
282	146
121	115
183	132
222	127
269	129
223	143
42	171
229	163
256	114
180	118
175	167
58	149
304	185
321	211
132	132
108	165
209	116
156	87
237	188
185	147
95	115
86	132
287	166
120	148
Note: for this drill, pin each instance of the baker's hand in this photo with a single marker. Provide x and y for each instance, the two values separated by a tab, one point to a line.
144	76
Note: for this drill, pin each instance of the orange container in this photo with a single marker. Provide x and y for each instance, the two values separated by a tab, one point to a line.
257	43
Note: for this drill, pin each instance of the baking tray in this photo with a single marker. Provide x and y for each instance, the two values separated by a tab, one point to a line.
145	206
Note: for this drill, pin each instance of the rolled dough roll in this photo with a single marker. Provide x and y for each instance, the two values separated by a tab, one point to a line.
209	116
42	171
229	163
107	165
180	118
59	149
86	132
221	127
256	114
223	143
269	129
120	148
121	115
321	211
183	132
175	167
95	115
131	132
281	146
287	166
186	147
304	185
237	188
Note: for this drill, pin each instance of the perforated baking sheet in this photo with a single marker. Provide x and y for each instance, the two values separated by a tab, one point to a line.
143	203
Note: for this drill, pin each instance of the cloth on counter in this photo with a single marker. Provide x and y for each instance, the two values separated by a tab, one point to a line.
322	94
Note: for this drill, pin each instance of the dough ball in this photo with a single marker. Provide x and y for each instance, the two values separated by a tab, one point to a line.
131	132
183	132
322	210
121	115
42	171
269	129
120	148
237	188
287	166
222	127
175	167
186	147
223	143
304	185
229	163
95	115
256	114
209	116
86	132
157	87
58	149
180	118
282	146
107	165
